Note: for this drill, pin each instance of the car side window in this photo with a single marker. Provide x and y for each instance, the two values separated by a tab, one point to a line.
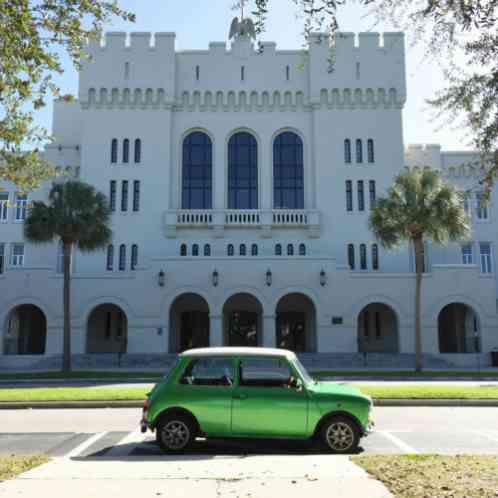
209	372
264	372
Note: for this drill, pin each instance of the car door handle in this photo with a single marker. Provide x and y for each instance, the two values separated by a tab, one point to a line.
239	396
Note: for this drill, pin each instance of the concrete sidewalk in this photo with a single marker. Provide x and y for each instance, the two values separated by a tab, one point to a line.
206	476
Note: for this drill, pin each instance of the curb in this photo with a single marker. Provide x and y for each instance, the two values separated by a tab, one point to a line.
57	405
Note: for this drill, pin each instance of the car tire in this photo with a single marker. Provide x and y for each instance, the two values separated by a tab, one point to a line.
175	433
340	435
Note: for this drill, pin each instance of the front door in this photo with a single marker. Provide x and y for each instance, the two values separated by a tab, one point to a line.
264	405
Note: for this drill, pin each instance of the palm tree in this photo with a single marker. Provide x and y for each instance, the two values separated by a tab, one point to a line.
76	215
419	206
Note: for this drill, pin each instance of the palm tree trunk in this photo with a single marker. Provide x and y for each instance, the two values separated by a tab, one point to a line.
418	244
66	358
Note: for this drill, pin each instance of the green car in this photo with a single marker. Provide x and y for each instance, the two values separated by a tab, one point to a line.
252	393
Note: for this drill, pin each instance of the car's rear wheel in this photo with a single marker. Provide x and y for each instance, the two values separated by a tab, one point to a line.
175	433
340	435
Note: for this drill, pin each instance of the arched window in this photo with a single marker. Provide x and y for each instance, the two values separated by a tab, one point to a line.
114	150
278	250
347	151
288	176
230	250
302	250
363	257
126	150
134	257
370	151
138	150
122	257
207	250
110	257
195	250
359	151
290	250
242	250
375	257
351	262
197	171
254	250
183	250
242	172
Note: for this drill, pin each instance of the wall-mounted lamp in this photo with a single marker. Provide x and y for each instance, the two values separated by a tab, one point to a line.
323	278
216	277
268	277
161	277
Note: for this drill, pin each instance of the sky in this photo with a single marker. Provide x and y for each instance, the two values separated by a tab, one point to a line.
197	22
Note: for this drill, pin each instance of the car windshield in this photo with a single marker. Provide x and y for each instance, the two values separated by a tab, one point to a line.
302	371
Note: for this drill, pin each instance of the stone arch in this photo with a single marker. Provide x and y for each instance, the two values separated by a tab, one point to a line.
242	320
107	329
459	329
25	330
378	329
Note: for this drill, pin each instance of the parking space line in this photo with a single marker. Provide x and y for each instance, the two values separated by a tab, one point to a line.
405	448
124	446
85	444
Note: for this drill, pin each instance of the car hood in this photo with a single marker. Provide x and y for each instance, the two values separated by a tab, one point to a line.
334	388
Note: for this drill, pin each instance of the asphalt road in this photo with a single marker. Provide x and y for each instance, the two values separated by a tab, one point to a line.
107	433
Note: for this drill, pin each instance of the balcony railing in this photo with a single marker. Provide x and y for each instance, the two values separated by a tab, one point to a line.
243	218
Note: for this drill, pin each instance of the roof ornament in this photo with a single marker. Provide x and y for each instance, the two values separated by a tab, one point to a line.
244	27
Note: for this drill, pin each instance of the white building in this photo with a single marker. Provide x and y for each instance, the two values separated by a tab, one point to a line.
241	182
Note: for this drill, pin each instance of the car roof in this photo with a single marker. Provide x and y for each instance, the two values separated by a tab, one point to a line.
234	351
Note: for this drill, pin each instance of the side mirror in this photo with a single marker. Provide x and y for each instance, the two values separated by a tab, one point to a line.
295	383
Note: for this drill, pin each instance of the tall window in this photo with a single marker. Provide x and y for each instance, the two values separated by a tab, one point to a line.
349	195
136	195
230	250
254	250
2	258
207	250
242	250
122	257
110	258
486	266
197	171
370	151
287	73
134	257
359	151
351	261
138	151
290	250
4	206
17	255
124	195
373	193
288	176
302	250
347	151
195	250
363	256
197	73
467	254
21	206
278	250
361	196
481	207
126	150
114	150
242	172
375	257
112	195
183	250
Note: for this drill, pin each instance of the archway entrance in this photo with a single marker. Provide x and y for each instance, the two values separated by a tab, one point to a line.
189	323
26	331
107	330
296	323
459	329
242	321
378	329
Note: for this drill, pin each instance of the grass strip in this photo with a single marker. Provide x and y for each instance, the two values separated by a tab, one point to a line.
138	393
12	466
423	476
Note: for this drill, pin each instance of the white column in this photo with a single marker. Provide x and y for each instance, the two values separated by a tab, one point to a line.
78	340
216	331
265	168
269	331
54	341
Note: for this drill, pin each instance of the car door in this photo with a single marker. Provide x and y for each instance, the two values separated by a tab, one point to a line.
264	405
206	389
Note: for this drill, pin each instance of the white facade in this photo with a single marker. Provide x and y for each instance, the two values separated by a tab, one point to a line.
142	89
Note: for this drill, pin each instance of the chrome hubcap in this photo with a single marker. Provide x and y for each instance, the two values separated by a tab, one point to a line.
340	436
175	435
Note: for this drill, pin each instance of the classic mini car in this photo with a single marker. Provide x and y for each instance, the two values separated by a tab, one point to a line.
252	393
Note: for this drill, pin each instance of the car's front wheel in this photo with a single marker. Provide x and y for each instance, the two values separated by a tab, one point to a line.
175	433
340	435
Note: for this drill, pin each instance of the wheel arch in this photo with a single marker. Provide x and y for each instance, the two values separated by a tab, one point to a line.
333	414
177	410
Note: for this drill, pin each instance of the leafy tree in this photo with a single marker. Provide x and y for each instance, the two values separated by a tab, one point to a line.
419	206
461	35
33	34
78	216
